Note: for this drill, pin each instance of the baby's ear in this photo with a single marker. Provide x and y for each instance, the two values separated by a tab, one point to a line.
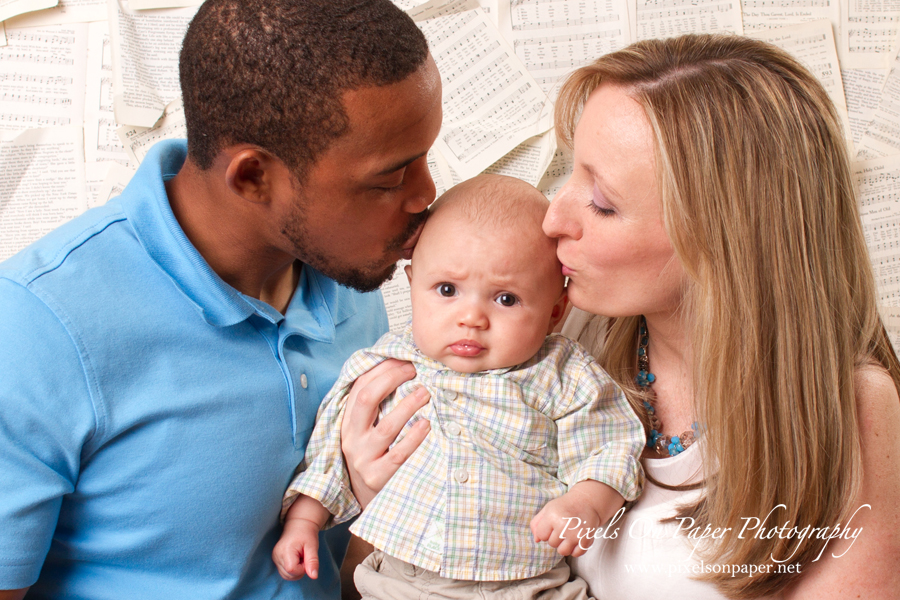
408	270
559	311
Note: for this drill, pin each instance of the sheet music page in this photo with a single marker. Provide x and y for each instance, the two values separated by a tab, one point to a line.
101	142
414	7
67	11
12	8
94	174
529	160
882	136
668	18
868	33
812	44
396	298
150	4
890	316
554	37
42	76
878	182
440	172
767	14
491	103
117	177
491	9
557	174
42	183
139	140
145	49
862	88
3	41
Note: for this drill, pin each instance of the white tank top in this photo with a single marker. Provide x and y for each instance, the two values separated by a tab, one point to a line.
649	559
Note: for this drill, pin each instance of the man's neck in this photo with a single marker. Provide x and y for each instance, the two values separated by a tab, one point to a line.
225	231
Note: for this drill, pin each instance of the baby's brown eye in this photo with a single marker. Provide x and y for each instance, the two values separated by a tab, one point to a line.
447	289
507	300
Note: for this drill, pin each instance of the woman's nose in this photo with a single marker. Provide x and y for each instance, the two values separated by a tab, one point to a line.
561	219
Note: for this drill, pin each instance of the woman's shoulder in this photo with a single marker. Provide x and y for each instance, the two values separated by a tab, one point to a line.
866	563
873	384
877	404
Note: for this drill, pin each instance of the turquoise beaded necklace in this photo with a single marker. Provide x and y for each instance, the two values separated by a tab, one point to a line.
663	444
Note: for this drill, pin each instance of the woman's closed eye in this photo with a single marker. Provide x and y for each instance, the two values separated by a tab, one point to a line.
599	204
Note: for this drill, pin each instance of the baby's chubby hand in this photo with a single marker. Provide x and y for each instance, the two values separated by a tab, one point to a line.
584	507
297	552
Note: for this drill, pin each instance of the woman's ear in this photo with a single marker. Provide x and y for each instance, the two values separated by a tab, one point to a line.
557	315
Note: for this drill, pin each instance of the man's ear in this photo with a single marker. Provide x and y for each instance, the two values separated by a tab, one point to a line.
560	309
408	270
255	175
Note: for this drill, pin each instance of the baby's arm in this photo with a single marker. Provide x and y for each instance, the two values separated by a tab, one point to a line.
297	552
569	523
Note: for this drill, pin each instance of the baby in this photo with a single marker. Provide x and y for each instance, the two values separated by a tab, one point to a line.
530	439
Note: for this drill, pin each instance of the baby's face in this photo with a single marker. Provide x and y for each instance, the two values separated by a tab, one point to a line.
482	299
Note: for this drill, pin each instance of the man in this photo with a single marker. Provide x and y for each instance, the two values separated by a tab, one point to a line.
162	357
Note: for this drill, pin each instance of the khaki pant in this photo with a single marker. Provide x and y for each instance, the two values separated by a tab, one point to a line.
381	577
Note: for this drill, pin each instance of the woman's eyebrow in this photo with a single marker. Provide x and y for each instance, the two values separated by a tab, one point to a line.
597	177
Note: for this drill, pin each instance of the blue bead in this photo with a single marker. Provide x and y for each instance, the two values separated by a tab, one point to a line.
675	439
651	377
641	351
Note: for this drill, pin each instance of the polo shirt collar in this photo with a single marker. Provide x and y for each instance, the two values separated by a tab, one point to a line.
317	306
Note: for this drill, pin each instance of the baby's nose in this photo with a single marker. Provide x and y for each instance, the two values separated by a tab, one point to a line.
473	315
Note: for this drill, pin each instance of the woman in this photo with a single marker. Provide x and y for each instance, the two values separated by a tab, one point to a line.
712	205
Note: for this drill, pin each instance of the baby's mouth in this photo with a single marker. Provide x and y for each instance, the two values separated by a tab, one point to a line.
466	348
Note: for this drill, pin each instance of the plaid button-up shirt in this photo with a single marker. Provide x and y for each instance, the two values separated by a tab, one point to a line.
502	444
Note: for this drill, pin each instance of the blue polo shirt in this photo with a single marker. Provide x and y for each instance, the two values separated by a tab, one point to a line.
151	415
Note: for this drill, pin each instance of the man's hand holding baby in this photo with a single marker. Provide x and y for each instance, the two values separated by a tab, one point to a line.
592	502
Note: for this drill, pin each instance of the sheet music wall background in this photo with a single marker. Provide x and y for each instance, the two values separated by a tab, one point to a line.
87	86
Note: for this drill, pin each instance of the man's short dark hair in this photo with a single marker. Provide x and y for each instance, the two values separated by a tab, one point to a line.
272	72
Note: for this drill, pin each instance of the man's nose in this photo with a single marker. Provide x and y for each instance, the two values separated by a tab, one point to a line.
419	187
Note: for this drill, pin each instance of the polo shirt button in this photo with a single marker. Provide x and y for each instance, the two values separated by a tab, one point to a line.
461	475
304	382
449	396
454	429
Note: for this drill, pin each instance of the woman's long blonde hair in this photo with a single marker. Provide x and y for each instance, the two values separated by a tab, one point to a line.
759	203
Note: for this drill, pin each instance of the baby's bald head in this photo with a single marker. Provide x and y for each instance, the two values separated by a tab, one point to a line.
485	281
497	202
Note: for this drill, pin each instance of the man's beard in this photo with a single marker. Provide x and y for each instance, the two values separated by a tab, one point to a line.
364	278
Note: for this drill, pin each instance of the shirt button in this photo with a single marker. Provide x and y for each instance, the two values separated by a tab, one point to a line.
454	429
461	475
304	381
449	396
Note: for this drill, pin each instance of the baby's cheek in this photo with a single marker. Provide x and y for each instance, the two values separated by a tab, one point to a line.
525	339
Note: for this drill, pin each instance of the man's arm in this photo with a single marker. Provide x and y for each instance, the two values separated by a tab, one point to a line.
366	445
45	414
13	594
